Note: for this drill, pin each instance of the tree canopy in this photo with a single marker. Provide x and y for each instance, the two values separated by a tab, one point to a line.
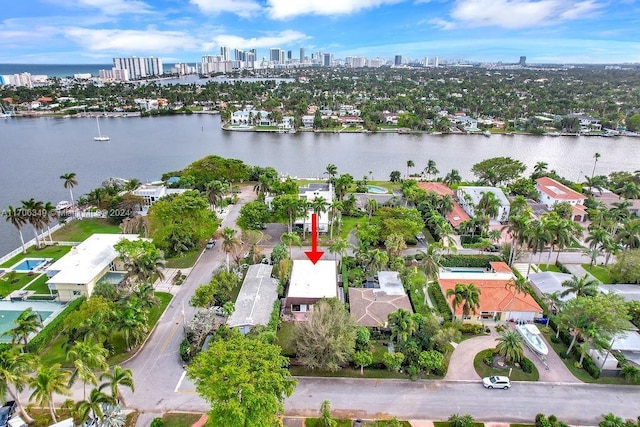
213	168
498	170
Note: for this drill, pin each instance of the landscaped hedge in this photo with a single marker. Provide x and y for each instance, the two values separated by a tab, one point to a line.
562	268
475	261
471	328
53	329
435	294
275	317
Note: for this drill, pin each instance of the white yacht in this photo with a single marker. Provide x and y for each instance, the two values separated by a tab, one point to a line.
531	335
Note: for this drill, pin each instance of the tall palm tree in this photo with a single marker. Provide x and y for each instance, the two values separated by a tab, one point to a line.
371	206
215	191
340	247
580	286
49	380
17	218
430	261
517	228
131	321
596	156
33	210
628	235
510	346
290	239
410	164
50	213
87	356
319	206
537	237
116	378
466	296
132	184
335	213
402	325
15	368
230	242
431	170
395	244
453	177
332	171
27	322
540	168
489	205
378	259
70	181
93	406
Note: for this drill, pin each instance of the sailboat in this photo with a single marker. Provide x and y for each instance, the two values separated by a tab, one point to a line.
100	137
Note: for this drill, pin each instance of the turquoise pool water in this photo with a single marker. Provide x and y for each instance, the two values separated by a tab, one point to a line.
28	264
9	312
113	277
376	190
466	270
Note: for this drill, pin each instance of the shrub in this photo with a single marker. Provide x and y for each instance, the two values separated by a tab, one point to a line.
591	367
562	268
157	422
564	355
53	329
185	351
540	418
526	365
413	371
471	328
477	261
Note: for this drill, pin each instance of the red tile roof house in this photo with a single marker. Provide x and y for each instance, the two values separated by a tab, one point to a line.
551	192
498	299
455	217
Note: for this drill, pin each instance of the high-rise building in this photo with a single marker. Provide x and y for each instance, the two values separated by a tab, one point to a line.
436	61
425	61
139	67
398	60
224	51
326	59
301	55
523	61
289	55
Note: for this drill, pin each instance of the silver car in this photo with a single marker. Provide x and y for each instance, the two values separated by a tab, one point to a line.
496	381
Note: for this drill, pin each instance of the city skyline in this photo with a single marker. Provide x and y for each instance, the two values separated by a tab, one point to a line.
545	31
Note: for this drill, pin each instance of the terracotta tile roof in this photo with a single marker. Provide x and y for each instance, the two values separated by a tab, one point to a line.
439	188
556	190
372	309
500	267
457	216
495	296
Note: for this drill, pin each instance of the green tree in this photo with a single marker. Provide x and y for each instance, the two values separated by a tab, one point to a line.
431	360
231	244
393	361
49	380
410	164
15	368
362	358
93	405
70	181
453	177
27	323
498	170
633	123
580	286
215	191
510	346
611	420
87	356
627	267
253	216
118	377
395	244
466	296
456	420
288	205
326	341
402	325
326	420
16	217
142	260
243	379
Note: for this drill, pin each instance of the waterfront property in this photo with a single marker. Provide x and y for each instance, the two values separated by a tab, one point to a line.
469	197
498	299
310	193
29	265
151	193
310	283
76	273
255	301
458	215
10	310
371	306
551	192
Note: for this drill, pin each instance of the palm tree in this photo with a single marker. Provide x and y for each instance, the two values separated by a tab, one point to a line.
131	321
93	406
402	325
629	190
517	228
230	243
70	181
335	210
132	184
510	346
371	206
49	380
430	261
87	356
49	214
410	164
119	377
339	247
456	420
289	239
332	171
467	296
28	322
540	168
17	218
32	210
537	237
395	244
15	368
489	205
227	309
431	170
628	235
378	259
596	156
580	286
319	205
453	177
215	191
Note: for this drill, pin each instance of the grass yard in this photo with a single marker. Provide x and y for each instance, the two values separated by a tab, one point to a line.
317	422
345	373
180	419
601	273
284	338
186	260
516	375
552	267
8	285
40	285
349	223
79	230
55	252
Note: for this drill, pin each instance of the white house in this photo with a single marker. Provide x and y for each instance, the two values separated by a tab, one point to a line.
87	264
308	284
310	193
251	118
255	301
151	193
469	197
469	124
551	192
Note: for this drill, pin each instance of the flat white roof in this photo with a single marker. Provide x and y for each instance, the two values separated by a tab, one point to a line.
390	283
81	265
476	194
313	281
255	300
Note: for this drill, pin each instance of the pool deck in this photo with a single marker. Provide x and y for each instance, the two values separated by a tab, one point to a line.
39	268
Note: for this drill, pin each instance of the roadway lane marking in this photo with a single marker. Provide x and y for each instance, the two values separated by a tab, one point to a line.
173	331
175	390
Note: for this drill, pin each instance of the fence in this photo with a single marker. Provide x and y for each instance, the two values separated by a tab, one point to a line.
42	237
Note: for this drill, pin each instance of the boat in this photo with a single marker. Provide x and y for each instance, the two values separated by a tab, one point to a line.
100	136
554	134
63	205
486	133
531	335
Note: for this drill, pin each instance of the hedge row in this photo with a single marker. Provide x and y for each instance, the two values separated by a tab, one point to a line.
476	261
435	294
275	317
53	329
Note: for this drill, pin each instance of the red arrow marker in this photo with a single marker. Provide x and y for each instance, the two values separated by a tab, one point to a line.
314	254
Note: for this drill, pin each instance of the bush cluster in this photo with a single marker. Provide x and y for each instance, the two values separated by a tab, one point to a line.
471	328
475	261
435	294
51	331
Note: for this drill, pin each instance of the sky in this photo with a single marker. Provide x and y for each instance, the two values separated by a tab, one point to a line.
545	31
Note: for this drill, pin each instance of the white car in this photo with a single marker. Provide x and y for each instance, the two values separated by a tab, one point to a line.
496	381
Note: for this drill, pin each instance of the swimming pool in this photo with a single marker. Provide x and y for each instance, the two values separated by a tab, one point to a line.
9	312
113	277
376	190
465	270
28	264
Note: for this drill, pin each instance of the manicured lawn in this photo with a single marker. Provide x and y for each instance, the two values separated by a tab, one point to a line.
346	373
180	420
313	422
40	285
21	279
599	272
552	267
186	260
516	374
349	223
284	338
446	424
79	230
54	252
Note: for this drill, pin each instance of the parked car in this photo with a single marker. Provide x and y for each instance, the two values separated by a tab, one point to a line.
211	243
6	412
493	248
496	381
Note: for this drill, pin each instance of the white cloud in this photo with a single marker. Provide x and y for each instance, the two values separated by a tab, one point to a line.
243	8
513	14
149	41
108	7
269	41
284	9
